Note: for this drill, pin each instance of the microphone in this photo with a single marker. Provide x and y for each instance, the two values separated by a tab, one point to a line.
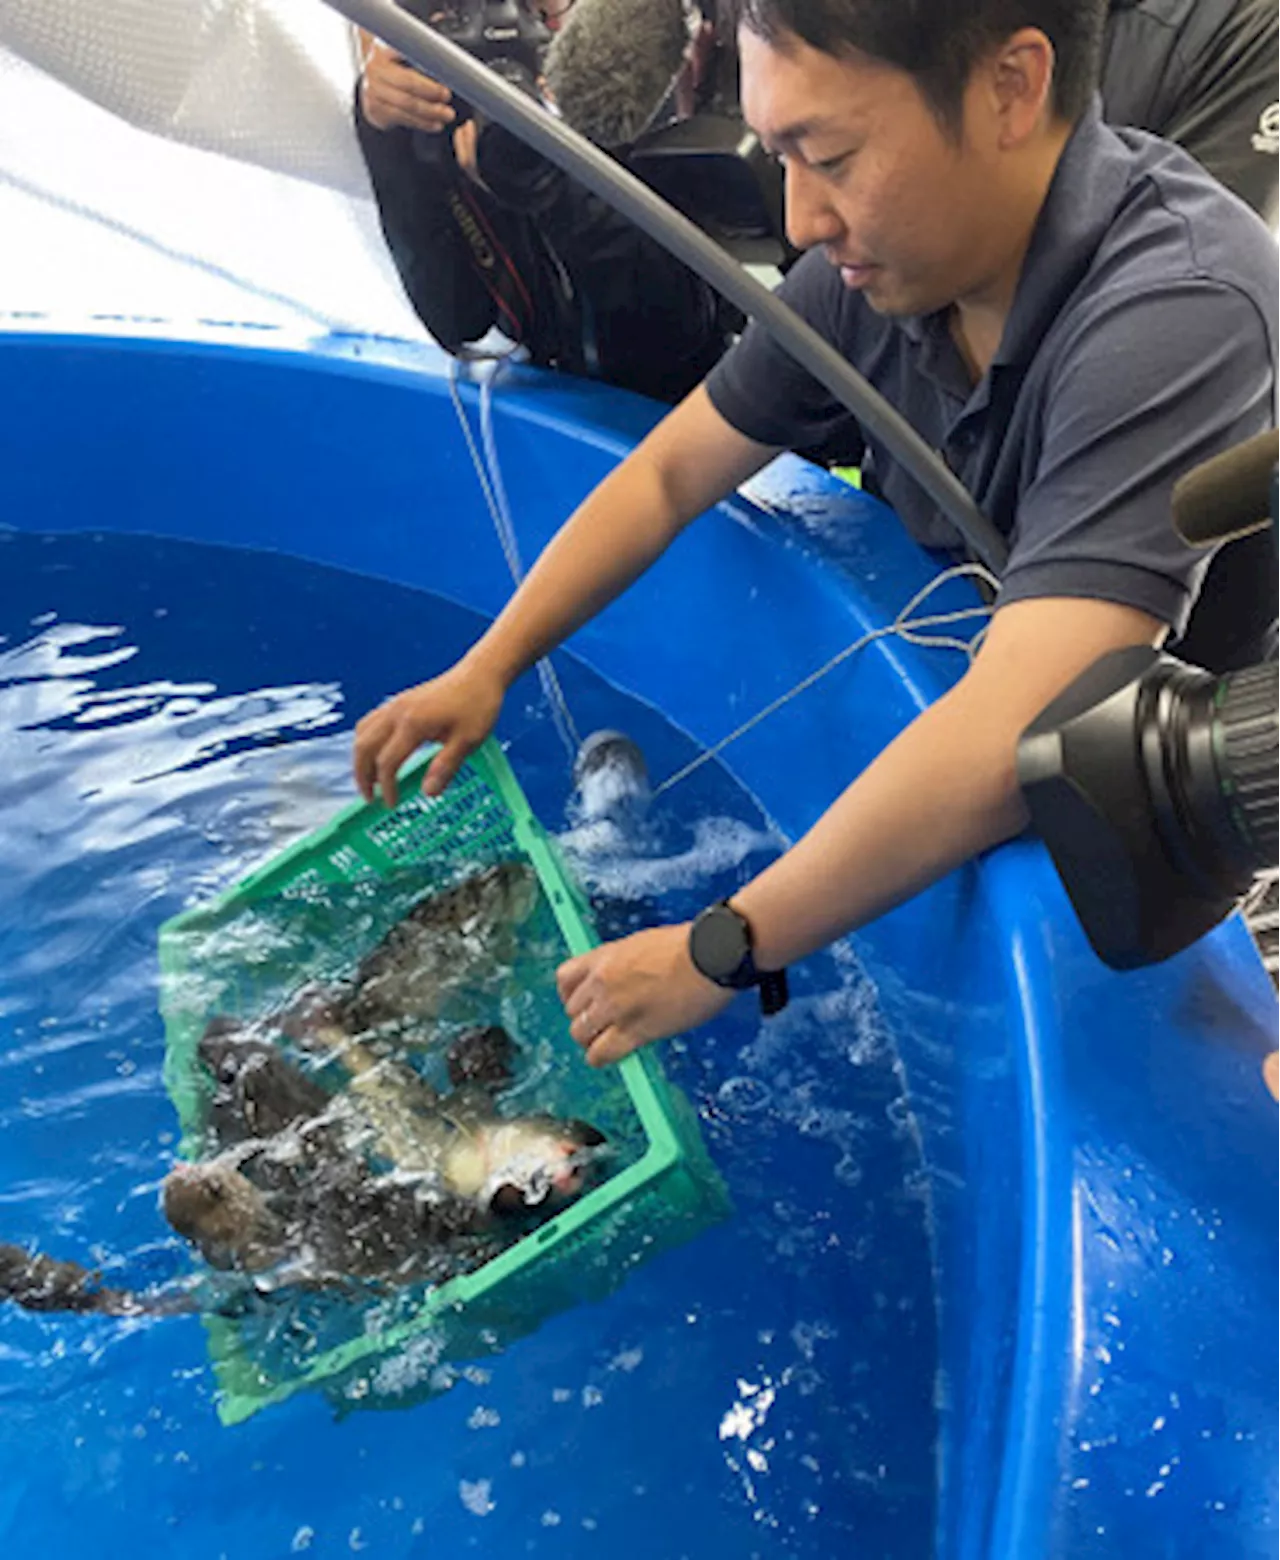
613	64
1230	496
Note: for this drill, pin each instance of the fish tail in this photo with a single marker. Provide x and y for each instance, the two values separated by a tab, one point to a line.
40	1283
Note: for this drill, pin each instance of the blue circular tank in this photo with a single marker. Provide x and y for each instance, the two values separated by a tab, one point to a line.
1099	1148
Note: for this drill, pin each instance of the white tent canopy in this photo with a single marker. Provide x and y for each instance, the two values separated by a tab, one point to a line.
187	158
265	81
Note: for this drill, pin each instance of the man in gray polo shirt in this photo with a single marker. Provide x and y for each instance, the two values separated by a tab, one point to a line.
1073	315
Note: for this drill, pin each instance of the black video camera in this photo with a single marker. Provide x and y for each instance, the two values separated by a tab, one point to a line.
505	35
714	171
1153	783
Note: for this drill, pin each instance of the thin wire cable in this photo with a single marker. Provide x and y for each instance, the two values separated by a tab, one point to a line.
903	626
489	474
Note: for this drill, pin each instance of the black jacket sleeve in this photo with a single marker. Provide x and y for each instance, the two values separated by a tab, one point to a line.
416	207
636	316
1201	73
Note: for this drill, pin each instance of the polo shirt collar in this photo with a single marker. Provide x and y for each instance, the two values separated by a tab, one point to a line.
1084	194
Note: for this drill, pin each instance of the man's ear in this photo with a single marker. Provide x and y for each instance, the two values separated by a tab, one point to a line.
1020	74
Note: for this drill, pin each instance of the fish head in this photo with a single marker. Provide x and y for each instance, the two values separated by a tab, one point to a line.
539	1165
217	1208
498	897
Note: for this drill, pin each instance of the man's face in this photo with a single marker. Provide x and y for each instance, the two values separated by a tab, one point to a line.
906	213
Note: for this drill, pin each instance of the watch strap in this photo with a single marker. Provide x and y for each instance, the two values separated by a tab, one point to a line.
774	994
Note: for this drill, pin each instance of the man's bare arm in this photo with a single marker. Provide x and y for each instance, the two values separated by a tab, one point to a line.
690	460
944	790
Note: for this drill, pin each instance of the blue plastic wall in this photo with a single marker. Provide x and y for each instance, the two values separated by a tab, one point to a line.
1102	1153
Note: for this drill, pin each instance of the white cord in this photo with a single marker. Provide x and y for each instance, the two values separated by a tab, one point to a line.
489	473
904	626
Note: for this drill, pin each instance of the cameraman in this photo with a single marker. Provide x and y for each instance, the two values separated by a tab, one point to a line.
485	233
1201	73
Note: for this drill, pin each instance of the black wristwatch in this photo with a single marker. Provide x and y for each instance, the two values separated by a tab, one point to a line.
720	947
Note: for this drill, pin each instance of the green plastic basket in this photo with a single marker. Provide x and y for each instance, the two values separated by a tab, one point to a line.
666	1190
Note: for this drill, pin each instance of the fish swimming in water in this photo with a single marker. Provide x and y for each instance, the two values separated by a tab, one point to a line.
458	1170
292	1186
304	1207
449	941
453	1146
41	1283
336	1230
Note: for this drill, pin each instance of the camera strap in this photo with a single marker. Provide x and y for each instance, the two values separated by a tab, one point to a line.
497	270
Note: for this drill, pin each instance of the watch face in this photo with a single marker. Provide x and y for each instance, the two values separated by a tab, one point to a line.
719	942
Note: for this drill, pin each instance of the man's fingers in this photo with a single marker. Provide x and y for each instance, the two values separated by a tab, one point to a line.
386	68
392	79
386	108
395	749
364	754
383	63
569	979
443	767
421	87
424	113
611	1045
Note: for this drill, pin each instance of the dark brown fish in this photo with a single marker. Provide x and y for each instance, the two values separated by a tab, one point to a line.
449	942
40	1283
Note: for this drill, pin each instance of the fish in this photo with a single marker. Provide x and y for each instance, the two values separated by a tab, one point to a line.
41	1283
384	1179
304	1208
390	1179
450	941
456	1146
257	1092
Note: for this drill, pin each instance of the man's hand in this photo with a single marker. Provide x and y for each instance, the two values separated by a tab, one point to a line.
466	141
624	994
395	95
457	709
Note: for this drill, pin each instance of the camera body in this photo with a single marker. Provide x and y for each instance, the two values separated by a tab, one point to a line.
714	171
505	35
1153	783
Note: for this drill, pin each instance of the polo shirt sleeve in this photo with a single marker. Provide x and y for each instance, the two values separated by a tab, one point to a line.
759	389
1151	384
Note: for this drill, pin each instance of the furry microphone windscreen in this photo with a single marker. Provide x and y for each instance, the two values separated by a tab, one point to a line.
613	63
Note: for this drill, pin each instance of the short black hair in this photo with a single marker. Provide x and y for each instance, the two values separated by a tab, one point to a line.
938	42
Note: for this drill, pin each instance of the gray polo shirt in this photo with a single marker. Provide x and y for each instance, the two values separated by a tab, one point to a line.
1141	341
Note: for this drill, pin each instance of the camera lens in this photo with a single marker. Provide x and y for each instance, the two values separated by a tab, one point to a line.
1209	751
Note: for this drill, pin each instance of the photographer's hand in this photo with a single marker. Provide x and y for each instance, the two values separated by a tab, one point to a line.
395	95
466	140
